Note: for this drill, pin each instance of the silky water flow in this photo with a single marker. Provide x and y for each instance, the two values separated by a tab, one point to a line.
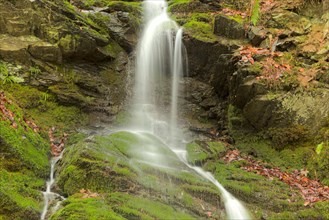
160	63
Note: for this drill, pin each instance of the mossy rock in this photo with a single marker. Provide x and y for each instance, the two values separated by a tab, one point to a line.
229	26
77	207
199	152
44	109
132	6
116	206
141	165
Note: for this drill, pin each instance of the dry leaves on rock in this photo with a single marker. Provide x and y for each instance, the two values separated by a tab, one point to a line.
311	190
88	194
56	144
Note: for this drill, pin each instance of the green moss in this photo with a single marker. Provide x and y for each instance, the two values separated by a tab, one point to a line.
179	5
282	137
146	208
134	7
251	188
112	49
98	166
46	112
20	195
28	148
201	31
195	153
199	152
86	209
237	18
71	90
318	211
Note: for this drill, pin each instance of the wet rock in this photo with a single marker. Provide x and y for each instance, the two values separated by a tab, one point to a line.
123	171
215	68
228	27
121	20
200	93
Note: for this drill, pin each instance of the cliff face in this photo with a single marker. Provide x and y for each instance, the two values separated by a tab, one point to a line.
262	87
272	72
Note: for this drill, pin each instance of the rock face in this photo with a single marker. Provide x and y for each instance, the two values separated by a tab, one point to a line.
86	52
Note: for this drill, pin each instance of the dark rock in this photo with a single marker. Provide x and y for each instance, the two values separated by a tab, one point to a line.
228	27
256	35
261	112
215	68
246	91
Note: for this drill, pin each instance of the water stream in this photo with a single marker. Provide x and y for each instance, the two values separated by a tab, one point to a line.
49	196
159	68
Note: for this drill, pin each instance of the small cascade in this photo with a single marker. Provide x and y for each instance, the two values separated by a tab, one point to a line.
234	208
49	196
159	68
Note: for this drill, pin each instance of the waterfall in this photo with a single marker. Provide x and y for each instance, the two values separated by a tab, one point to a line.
159	67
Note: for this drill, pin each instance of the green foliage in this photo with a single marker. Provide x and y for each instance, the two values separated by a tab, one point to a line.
45	96
3	69
319	148
319	163
34	70
255	12
6	76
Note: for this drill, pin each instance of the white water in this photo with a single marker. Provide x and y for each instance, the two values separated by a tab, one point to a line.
160	62
49	196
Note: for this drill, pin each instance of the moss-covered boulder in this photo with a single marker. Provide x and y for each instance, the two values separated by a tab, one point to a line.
143	168
231	27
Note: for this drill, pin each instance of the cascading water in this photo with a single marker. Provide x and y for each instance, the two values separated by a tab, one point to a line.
159	63
50	196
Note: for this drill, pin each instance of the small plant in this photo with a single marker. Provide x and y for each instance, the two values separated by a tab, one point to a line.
34	70
3	69
45	96
6	77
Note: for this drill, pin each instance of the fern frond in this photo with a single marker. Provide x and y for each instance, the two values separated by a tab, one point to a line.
255	13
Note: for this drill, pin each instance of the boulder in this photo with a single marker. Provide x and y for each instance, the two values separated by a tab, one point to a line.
229	26
278	110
